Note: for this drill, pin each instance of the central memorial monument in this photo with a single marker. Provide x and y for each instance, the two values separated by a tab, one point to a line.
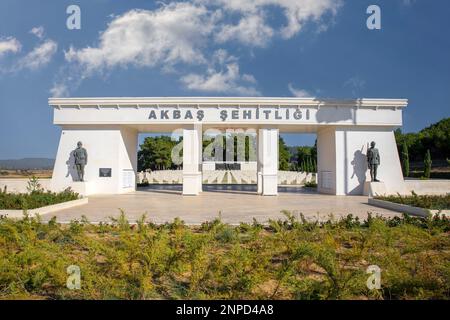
110	126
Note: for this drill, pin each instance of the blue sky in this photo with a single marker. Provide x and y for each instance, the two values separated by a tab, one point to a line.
217	48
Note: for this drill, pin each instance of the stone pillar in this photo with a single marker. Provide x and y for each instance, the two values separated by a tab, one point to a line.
342	162
258	167
326	160
113	148
268	161
192	160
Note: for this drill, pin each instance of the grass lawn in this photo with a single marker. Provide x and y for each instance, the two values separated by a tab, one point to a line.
287	259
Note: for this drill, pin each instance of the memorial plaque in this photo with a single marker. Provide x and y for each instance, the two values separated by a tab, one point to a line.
228	166
105	172
128	178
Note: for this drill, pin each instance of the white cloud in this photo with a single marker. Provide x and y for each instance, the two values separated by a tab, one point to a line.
251	30
408	2
300	93
38	32
223	76
229	81
39	57
9	45
173	34
355	84
183	35
254	25
299	12
59	90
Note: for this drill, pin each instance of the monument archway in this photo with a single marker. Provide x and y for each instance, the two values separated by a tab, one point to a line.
109	127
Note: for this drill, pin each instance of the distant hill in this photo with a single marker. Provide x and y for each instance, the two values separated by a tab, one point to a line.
27	164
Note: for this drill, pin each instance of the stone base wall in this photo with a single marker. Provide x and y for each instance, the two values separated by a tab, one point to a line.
421	187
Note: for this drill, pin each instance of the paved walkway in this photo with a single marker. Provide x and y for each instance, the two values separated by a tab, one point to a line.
235	204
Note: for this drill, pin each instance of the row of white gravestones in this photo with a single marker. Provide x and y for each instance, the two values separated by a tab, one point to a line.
223	177
161	176
214	177
295	178
243	177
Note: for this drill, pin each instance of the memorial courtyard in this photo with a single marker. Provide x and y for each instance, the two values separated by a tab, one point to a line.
233	204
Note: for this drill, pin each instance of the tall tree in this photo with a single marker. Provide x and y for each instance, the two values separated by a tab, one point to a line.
283	155
405	159
156	153
427	163
303	153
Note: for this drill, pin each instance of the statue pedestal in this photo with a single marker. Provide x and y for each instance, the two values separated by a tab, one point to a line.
81	187
372	189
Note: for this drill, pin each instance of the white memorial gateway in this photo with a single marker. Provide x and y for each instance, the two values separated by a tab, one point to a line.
109	128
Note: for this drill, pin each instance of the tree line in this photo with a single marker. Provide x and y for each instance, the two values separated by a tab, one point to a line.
155	153
435	138
422	149
418	149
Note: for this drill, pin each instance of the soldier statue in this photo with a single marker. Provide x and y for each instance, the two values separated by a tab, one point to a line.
373	161
81	158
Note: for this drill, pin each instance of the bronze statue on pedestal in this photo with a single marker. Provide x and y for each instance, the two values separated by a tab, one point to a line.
81	159
373	161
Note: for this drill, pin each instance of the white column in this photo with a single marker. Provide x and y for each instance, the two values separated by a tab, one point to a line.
268	161
326	160
192	160
258	166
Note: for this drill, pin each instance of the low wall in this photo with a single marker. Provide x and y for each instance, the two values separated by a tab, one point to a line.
20	185
427	187
45	210
421	187
403	208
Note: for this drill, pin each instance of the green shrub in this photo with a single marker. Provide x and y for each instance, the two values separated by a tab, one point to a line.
432	202
310	184
33	185
290	259
35	199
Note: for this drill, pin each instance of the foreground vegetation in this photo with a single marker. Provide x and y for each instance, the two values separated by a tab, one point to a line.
432	202
289	259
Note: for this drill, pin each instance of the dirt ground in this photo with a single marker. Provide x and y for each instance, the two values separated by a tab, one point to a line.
18	174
